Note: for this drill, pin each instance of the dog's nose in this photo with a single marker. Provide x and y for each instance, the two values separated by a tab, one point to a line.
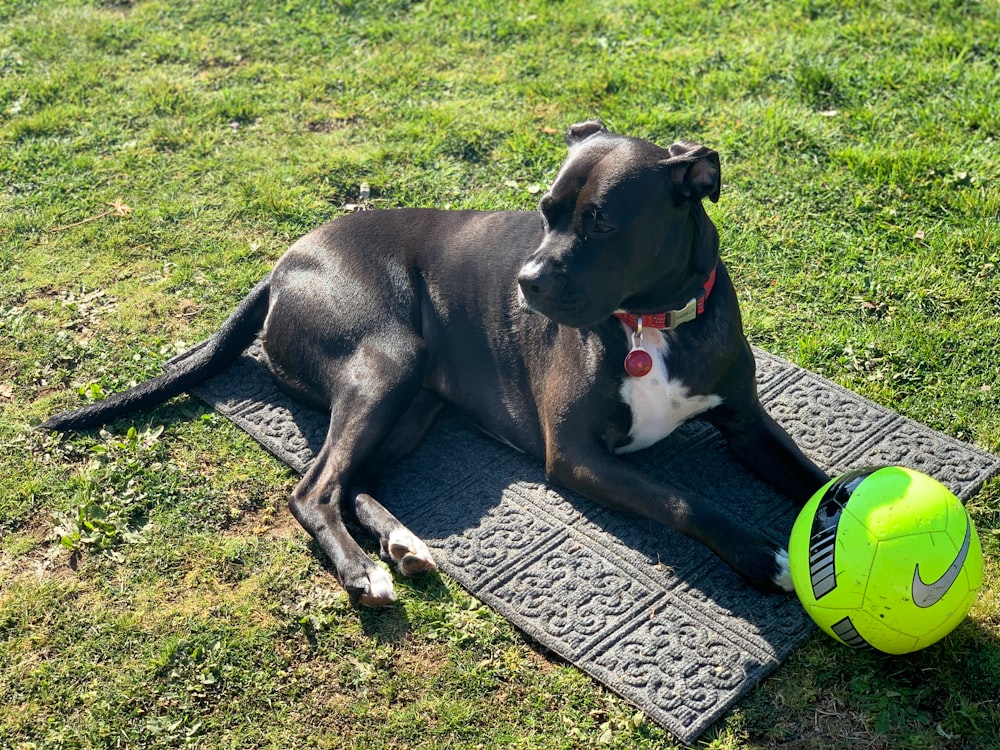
534	279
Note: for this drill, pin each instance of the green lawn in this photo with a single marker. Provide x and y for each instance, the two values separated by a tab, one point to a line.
157	157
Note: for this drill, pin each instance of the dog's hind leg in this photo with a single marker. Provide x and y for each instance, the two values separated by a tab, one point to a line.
364	411
399	546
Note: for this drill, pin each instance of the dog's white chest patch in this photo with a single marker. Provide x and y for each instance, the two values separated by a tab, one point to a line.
659	405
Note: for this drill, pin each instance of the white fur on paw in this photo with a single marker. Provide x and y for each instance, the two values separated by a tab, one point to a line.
783	578
380	591
409	553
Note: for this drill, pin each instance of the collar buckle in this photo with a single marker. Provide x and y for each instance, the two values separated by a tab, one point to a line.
687	313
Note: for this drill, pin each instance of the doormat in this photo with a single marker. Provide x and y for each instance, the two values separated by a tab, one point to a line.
655	617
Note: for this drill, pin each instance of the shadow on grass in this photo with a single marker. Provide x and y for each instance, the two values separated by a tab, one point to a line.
389	624
834	695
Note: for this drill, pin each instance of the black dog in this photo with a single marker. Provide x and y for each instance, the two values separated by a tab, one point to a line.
524	324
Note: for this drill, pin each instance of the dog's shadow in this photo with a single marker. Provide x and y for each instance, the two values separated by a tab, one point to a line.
495	525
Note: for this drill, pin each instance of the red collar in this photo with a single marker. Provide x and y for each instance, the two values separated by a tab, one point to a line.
672	318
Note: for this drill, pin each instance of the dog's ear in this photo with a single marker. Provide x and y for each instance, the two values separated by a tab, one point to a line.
695	172
583	130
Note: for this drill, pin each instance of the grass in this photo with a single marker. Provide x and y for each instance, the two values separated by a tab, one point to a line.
157	157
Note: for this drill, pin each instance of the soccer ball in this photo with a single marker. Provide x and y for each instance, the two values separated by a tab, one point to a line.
885	557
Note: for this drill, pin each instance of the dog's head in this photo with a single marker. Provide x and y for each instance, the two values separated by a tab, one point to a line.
624	228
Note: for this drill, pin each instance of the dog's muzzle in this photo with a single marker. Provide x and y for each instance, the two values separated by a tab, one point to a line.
553	295
534	282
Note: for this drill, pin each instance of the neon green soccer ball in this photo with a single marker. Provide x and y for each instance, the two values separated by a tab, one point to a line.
885	557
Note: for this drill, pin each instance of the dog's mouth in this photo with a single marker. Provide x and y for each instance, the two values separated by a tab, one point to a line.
572	310
523	302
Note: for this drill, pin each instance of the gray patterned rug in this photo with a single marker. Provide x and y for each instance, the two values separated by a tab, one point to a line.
652	615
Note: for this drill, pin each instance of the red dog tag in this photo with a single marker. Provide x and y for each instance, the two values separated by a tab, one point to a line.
638	363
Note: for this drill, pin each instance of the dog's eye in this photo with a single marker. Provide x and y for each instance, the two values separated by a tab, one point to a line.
597	224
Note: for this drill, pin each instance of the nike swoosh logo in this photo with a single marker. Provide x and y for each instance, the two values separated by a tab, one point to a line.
928	594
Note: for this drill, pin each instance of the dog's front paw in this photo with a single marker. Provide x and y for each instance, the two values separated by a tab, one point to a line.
410	555
765	566
371	586
782	577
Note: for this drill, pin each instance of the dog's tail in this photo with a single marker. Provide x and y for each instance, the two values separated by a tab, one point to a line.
202	362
